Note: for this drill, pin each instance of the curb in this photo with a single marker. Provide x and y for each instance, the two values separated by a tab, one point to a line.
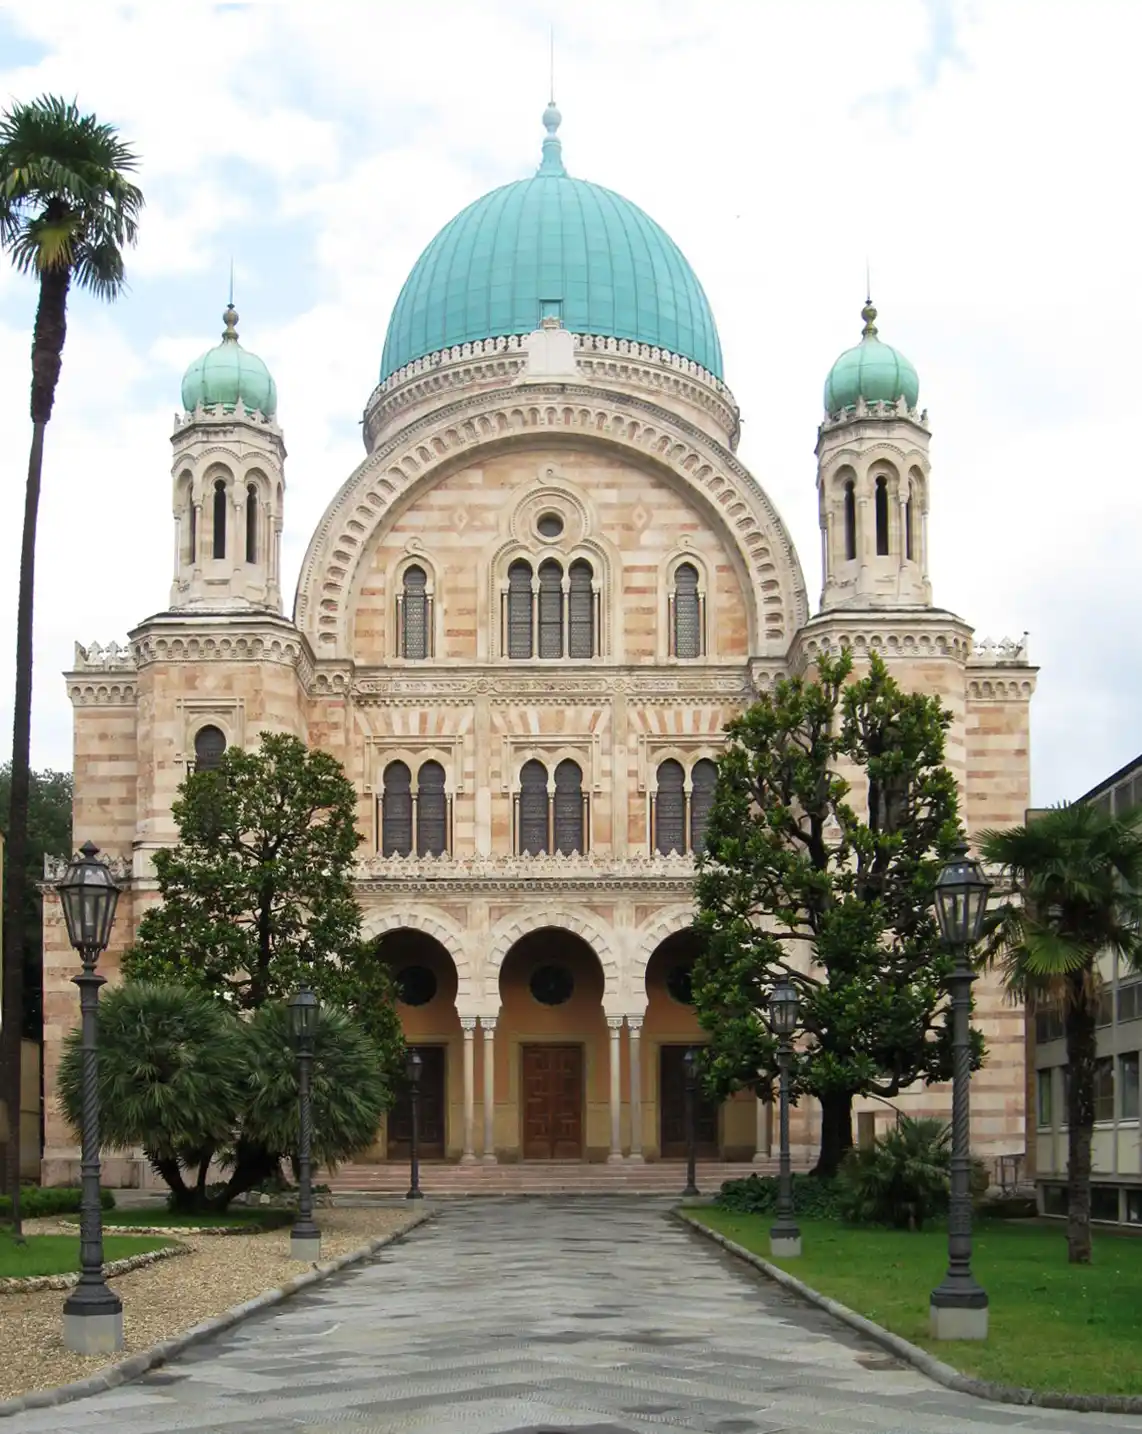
36	1284
137	1364
912	1354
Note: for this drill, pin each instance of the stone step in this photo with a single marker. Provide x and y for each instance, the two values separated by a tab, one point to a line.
657	1177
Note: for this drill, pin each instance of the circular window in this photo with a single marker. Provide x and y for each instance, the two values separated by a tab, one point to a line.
416	986
550	525
551	985
679	982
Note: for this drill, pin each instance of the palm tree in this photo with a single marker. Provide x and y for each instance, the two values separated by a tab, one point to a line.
67	212
1077	878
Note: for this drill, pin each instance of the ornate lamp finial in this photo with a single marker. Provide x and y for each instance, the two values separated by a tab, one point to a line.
868	314
552	163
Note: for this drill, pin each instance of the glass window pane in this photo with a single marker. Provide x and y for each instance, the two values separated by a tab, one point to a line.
568	808
1045	1079
533	809
414	639
519	610
687	616
550	609
1104	1089
703	780
431	811
396	811
670	809
581	617
1128	1076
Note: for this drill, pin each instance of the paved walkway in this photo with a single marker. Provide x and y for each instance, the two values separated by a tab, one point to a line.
598	1316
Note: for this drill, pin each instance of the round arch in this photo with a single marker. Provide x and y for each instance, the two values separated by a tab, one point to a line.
593	933
650	936
380	923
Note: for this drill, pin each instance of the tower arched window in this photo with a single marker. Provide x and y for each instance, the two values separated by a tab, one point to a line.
850	521
569	805
909	510
670	808
581	610
396	810
431	811
687	616
519	618
533	810
882	516
414	616
550	609
193	532
251	524
703	780
209	745
219	516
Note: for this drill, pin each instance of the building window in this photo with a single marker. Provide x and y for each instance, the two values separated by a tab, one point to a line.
1044	1083
1104	1089
431	811
209	745
519	609
551	821
551	985
1128	1087
550	609
669	809
560	619
396	810
550	526
581	610
414	614
1054	1200
532	818
1129	1005
850	521
882	517
1134	1207
251	524
1104	1015
416	985
415	817
703	780
1104	1202
1048	1024
687	616
569	809
219	519
908	510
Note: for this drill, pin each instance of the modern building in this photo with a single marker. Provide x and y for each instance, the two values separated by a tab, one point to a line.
522	624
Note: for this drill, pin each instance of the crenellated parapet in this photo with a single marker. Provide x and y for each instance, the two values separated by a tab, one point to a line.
102	675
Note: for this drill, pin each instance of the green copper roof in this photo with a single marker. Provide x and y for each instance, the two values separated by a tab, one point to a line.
551	245
227	373
871	371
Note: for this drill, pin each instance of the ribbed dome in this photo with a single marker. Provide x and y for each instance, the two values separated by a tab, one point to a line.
552	245
872	371
227	373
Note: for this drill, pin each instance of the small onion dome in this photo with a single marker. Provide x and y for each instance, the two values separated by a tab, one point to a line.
229	373
872	371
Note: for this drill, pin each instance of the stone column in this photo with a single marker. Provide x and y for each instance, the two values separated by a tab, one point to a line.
488	1027
763	1140
634	1050
468	1026
616	1026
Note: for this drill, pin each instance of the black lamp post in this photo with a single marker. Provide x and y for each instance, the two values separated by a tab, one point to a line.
92	1313
305	1237
413	1066
958	1308
782	1011
690	1067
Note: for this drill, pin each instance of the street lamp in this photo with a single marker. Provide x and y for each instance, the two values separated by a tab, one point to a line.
92	1313
958	1308
782	1011
305	1237
690	1067
413	1066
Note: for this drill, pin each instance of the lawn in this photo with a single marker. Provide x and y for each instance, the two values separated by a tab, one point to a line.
253	1219
1071	1328
59	1254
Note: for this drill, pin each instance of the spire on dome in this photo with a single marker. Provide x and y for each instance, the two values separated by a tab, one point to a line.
552	163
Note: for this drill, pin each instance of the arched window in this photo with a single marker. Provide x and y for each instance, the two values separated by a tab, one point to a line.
850	521
670	808
414	614
550	609
193	532
581	614
908	511
251	524
431	811
519	609
219	519
396	810
687	612
533	809
882	516
209	744
568	808
703	779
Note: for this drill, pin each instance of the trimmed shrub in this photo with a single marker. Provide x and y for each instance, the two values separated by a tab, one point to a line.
902	1179
813	1198
38	1201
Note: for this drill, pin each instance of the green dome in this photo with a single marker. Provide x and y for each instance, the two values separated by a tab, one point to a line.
227	373
551	245
871	371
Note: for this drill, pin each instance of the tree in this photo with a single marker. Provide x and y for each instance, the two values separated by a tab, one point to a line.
1076	873
258	898
67	212
793	882
49	834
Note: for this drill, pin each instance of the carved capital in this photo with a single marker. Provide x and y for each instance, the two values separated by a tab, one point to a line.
468	1026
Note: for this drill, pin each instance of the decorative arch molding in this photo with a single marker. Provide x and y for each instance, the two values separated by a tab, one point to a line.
576	413
649	937
505	936
379	923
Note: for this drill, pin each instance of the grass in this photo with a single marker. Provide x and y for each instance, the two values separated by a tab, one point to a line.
253	1219
1070	1328
59	1254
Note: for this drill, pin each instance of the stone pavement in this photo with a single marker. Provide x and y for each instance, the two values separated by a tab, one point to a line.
595	1315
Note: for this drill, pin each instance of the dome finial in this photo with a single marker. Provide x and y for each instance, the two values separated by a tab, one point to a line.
230	319
868	314
552	163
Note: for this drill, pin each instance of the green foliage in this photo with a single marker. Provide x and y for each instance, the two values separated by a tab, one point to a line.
790	869
59	1254
813	1198
902	1179
38	1201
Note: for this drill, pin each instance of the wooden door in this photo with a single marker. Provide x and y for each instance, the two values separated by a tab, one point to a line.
552	1089
433	1089
672	1110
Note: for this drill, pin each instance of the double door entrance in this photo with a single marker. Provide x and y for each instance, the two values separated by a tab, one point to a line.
672	1109
432	1102
552	1097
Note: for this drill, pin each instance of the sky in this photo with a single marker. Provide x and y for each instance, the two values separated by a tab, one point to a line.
979	157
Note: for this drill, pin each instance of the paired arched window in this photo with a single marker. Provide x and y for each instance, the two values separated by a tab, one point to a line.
551	614
251	524
414	615
850	521
882	517
219	516
209	745
687	618
551	821
415	817
703	780
678	818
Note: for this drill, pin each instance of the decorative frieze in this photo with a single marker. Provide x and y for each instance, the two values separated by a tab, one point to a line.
515	684
521	875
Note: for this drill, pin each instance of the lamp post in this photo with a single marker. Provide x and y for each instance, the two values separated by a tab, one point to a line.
781	1012
690	1067
958	1308
92	1313
305	1237
413	1067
